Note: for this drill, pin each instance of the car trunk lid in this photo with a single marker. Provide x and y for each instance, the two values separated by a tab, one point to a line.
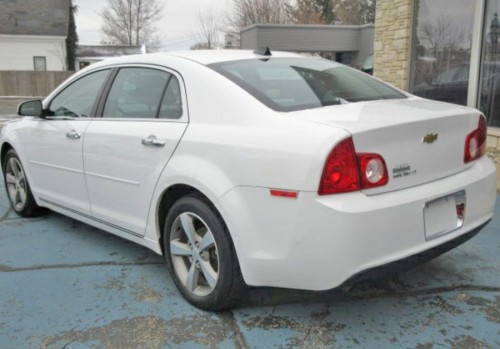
420	140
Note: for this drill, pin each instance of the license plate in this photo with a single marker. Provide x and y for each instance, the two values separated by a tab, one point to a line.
444	215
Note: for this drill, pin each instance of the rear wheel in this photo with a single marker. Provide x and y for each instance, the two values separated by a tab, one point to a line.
201	256
17	186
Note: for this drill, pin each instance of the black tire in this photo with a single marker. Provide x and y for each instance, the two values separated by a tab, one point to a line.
29	208
230	286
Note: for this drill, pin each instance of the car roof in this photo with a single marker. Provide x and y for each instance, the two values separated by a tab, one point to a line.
204	57
216	56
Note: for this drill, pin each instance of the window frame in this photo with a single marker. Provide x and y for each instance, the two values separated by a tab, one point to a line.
475	76
44	61
107	88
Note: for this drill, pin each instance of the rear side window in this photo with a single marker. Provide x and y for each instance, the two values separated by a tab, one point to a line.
290	84
136	93
171	104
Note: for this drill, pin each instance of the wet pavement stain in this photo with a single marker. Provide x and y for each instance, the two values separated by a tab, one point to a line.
146	294
150	332
139	291
493	311
489	307
467	342
114	283
439	303
315	333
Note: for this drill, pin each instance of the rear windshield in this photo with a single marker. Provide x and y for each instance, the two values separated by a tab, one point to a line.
290	84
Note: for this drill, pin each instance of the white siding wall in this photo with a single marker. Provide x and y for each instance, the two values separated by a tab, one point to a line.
17	51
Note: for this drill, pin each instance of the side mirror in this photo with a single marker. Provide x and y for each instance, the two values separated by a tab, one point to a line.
31	108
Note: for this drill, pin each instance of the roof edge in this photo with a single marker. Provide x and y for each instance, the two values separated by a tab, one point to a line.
309	26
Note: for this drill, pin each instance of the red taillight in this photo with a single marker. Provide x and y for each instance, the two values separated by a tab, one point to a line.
345	171
475	142
340	174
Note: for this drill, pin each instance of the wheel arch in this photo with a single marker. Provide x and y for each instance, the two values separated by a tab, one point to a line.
173	193
3	151
183	175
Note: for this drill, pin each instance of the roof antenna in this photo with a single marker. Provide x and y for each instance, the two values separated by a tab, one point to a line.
263	51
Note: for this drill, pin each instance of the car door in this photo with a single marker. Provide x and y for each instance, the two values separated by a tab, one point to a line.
125	151
53	146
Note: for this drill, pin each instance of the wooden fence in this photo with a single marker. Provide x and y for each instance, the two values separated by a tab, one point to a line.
30	83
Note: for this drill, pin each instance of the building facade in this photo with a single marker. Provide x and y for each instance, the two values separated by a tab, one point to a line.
89	54
33	34
349	44
447	50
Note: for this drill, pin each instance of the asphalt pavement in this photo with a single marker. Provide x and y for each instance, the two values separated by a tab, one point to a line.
64	284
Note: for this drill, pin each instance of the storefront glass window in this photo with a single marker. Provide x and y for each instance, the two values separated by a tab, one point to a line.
489	90
442	49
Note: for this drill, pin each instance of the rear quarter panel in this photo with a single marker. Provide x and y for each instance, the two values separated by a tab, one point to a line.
233	140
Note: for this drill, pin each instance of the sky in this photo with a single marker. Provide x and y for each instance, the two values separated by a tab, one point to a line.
177	29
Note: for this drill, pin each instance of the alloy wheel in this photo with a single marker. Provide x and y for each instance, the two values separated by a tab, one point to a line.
194	253
16	183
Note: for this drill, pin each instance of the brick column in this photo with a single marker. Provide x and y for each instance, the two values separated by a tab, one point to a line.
392	48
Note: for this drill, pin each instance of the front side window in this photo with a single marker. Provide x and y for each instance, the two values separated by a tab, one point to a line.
136	93
289	84
78	98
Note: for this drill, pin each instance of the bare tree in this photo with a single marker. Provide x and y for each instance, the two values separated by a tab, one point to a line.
354	12
307	12
199	46
248	12
333	11
208	31
72	38
132	22
439	33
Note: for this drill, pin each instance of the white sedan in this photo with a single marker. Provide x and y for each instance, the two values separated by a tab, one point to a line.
252	168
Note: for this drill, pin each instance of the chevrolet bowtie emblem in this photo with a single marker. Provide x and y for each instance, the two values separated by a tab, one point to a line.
430	138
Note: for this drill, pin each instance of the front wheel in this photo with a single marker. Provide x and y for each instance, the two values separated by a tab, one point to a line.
17	186
201	255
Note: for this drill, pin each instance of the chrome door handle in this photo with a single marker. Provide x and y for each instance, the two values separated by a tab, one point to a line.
73	134
153	141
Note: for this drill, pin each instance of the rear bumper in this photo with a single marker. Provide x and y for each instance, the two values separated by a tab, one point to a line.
414	260
317	243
